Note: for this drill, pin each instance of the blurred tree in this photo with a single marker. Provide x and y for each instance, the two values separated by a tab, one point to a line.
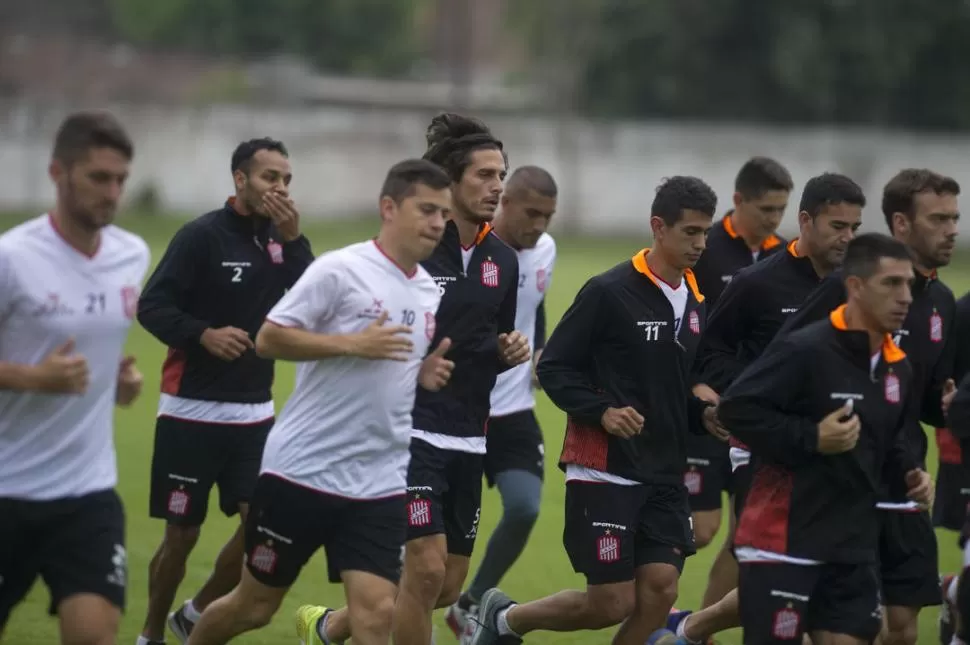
342	36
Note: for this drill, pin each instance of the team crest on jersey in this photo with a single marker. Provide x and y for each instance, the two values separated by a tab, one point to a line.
694	323
541	279
429	325
275	250
490	274
936	327
892	388
178	503
129	301
787	624
419	512
693	482
608	548
263	558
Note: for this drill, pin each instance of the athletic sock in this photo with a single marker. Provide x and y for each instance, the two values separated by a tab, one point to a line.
502	623
465	601
682	632
144	641
322	628
190	612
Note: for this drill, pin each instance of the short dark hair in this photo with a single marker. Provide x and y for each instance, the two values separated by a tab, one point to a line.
242	156
532	178
759	175
680	193
830	189
81	131
403	177
864	252
900	192
452	138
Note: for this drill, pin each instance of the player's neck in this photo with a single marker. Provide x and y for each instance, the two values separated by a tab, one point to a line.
395	252
753	240
239	205
80	237
821	266
467	230
856	319
500	229
663	269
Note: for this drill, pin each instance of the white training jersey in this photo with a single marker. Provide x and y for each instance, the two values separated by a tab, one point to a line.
55	446
513	388
346	428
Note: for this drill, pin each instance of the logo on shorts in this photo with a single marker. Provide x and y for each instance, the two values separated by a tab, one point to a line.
419	512
119	566
263	558
490	275
694	322
429	325
178	502
608	548
275	252
541	279
694	482
129	301
786	625
936	327
892	388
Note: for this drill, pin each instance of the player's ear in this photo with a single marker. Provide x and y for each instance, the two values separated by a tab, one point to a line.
899	223
853	285
239	179
56	170
737	199
388	208
656	226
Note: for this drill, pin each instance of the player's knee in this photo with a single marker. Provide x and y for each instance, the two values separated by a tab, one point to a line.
376	614
523	511
659	587
180	540
902	626
425	574
608	605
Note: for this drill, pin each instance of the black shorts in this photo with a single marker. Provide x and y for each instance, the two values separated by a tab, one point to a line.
908	565
514	442
190	457
288	522
76	545
952	496
742	478
780	602
444	495
708	473
611	530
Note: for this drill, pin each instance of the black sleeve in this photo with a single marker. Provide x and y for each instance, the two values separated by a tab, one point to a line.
931	406
827	296
563	369
958	415
540	332
506	312
717	364
163	305
297	256
757	408
695	414
961	359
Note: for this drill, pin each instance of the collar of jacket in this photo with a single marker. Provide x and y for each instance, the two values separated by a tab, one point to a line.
248	224
451	230
804	263
640	264
771	242
858	340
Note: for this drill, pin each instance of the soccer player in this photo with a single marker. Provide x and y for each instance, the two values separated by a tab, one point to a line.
207	298
958	602
745	235
360	323
514	456
69	283
618	364
824	411
477	275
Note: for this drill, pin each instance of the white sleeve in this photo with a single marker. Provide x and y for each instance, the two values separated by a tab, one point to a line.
550	264
315	298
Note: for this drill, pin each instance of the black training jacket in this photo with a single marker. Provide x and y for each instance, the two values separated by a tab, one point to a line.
750	312
222	269
476	306
619	345
928	337
803	503
725	255
959	413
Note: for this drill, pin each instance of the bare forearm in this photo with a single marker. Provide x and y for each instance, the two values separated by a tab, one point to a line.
289	344
17	377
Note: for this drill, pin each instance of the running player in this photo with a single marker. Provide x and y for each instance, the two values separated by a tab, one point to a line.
825	413
359	322
627	517
958	595
69	283
208	296
514	457
477	275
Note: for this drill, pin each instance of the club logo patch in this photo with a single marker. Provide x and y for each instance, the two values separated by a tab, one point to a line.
263	558
490	274
786	625
608	548
429	325
275	252
541	280
419	512
178	503
129	301
693	482
694	322
936	327
892	388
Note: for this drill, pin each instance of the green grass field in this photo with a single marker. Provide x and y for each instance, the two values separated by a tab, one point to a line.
542	570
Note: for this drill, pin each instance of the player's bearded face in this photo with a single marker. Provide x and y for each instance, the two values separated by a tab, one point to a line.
932	232
477	195
268	171
92	187
832	230
529	214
